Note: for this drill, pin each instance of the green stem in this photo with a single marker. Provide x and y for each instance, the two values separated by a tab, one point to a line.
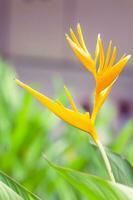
106	161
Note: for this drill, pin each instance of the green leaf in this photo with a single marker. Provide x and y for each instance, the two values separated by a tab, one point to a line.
123	137
7	193
92	187
122	169
14	187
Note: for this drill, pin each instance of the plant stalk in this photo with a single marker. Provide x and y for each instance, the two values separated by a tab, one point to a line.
106	161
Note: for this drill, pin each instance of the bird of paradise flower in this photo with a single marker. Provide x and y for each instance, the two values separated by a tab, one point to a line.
105	72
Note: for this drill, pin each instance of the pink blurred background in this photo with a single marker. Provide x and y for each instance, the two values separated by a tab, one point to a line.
32	39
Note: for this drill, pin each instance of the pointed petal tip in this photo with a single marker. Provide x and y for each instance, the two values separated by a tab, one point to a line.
115	49
128	57
20	83
17	81
67	36
99	36
65	87
71	30
78	25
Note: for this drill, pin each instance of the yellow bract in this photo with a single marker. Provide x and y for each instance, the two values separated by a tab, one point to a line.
73	117
105	72
102	66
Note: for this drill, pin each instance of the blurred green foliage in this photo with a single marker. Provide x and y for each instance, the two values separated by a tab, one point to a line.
27	132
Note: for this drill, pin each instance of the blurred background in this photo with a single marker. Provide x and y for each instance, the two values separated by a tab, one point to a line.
33	47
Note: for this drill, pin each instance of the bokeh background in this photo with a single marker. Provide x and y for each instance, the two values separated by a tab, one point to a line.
33	47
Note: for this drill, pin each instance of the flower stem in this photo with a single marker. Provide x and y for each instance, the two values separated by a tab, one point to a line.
106	160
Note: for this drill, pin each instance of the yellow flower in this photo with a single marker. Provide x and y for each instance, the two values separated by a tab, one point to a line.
71	116
103	67
105	73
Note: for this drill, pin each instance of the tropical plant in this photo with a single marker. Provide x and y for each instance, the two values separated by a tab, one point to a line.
27	129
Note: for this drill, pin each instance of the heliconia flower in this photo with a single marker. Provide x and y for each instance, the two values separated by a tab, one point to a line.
105	71
71	116
102	66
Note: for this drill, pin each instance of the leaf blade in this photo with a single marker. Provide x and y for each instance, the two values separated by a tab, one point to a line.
17	188
94	187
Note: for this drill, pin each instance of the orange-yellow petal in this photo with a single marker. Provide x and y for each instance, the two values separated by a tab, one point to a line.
99	100
81	39
77	119
104	80
101	54
74	38
108	55
85	59
69	96
96	51
112	60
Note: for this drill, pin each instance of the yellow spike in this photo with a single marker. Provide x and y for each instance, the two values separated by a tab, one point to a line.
99	100
108	55
74	37
97	50
76	119
101	52
81	39
82	56
112	60
43	99
110	75
124	55
69	96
